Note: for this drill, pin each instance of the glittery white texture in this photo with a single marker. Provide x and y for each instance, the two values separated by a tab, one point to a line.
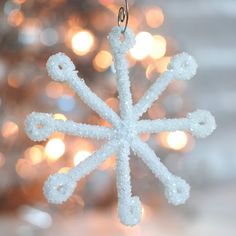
58	188
202	123
184	66
125	131
177	191
59	67
39	126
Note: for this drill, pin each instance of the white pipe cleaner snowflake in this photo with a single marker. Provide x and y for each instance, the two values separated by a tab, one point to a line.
125	131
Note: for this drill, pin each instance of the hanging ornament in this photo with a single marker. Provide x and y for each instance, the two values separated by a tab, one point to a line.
124	135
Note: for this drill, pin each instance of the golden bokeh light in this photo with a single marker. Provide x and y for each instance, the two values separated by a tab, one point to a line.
177	140
64	170
35	154
81	156
59	116
154	17
157	67
16	18
102	61
9	129
159	47
143	46
82	42
54	149
162	64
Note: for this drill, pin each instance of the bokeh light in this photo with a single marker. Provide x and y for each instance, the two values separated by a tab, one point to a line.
19	1
25	169
143	46
35	154
54	149
15	18
49	37
162	64
9	129
177	140
64	170
29	32
154	17
81	156
102	60
82	42
59	116
159	47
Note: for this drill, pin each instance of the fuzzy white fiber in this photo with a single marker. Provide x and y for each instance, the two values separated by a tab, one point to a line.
126	128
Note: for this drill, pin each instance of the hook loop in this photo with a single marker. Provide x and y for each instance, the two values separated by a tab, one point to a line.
123	16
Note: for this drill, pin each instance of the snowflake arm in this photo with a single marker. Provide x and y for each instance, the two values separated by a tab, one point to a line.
39	126
181	67
200	123
119	49
176	189
59	187
61	68
129	208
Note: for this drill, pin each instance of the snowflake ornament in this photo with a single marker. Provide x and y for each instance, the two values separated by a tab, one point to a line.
126	128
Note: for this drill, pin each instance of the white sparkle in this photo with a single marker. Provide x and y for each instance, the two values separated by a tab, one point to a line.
126	129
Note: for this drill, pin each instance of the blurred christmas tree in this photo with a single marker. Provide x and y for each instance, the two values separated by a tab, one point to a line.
31	31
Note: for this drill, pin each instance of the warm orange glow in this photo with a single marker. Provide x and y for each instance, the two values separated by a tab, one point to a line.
154	17
2	160
81	156
109	163
145	137
156	112
143	46
150	71
15	18
19	1
162	64
106	2
157	67
35	154
14	81
54	149
54	90
113	103
102	61
177	140
25	169
64	170
159	47
82	42
9	128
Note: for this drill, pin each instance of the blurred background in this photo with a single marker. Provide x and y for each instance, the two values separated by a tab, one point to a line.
32	30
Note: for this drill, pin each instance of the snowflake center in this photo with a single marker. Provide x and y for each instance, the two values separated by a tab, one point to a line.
126	130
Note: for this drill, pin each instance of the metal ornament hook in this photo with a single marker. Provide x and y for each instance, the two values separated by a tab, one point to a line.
123	16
